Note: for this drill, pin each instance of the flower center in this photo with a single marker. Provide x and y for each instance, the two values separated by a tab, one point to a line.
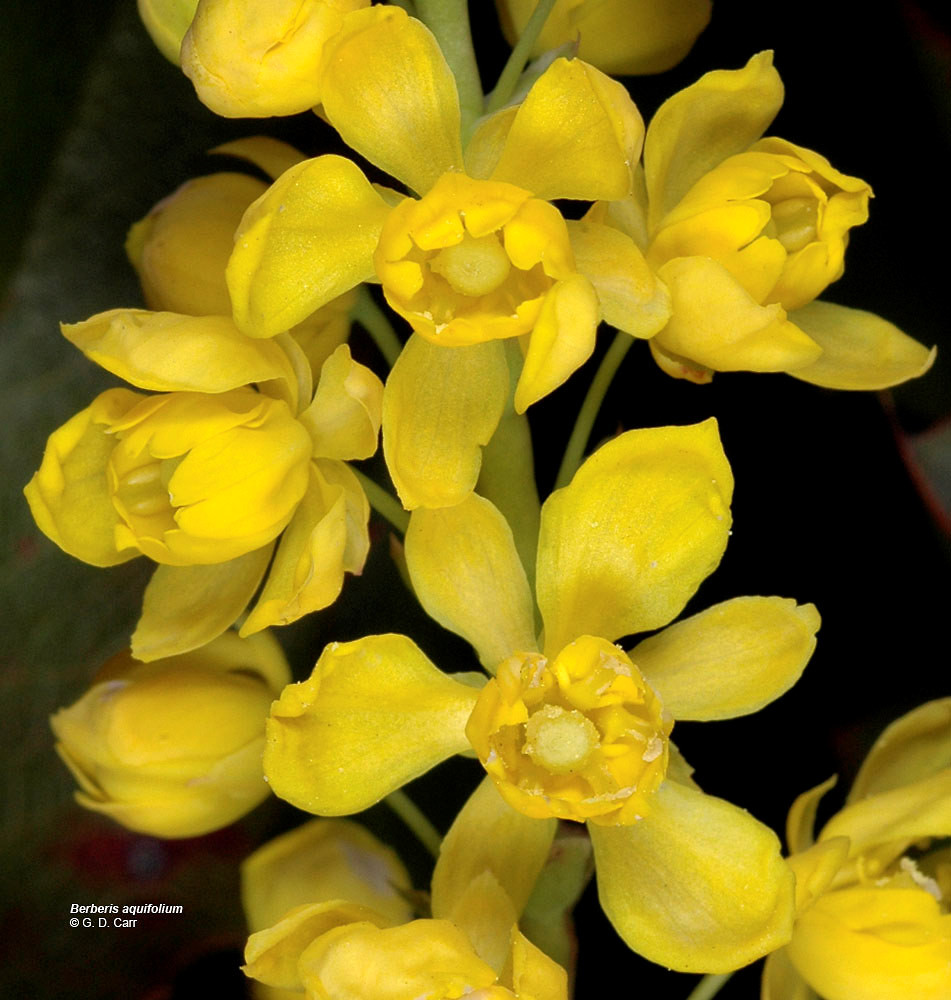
559	740
474	266
143	491
794	223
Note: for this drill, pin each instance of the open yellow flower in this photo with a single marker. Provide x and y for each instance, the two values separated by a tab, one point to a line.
746	232
205	476
571	725
173	748
873	898
480	255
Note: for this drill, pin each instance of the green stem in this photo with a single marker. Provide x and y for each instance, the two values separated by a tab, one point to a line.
709	986
372	318
385	504
416	820
516	62
589	408
448	20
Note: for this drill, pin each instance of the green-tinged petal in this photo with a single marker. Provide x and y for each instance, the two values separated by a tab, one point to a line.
576	135
167	352
624	546
875	944
801	821
166	21
467	575
532	973
489	835
186	606
717	323
631	297
389	92
723	113
816	867
699	885
731	659
440	407
781	981
309	238
344	418
561	340
324	859
271	955
485	913
859	349
267	154
677	366
69	494
329	525
908	813
913	747
373	715
487	142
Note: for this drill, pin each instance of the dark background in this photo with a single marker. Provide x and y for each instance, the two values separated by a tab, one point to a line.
97	127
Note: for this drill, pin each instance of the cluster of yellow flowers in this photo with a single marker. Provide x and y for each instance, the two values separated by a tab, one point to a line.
513	226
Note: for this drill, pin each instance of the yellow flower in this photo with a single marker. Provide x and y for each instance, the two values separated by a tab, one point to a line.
173	748
204	477
181	248
572	726
618	36
252	60
480	255
746	232
166	22
872	896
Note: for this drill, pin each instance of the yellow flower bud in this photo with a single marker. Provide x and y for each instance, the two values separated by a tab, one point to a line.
582	737
173	748
472	260
167	21
618	36
777	217
252	60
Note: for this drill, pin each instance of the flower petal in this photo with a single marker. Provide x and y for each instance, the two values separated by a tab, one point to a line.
389	92
721	114
309	238
731	659
913	747
717	323
186	606
781	981
440	407
561	340
533	973
624	546
801	821
859	349
816	867
487	142
270	155
344	418
576	135
373	715
698	886
468	576
69	494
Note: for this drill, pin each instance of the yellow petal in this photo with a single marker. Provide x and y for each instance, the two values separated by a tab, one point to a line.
468	576
859	349
717	323
624	546
307	573
373	715
440	407
876	944
166	352
484	912
487	142
186	606
698	886
344	418
309	238
816	867
731	659
913	747
266	153
576	135
324	859
781	981
631	297
69	495
677	366
561	340
489	835
389	92
801	821
166	21
533	974
721	114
